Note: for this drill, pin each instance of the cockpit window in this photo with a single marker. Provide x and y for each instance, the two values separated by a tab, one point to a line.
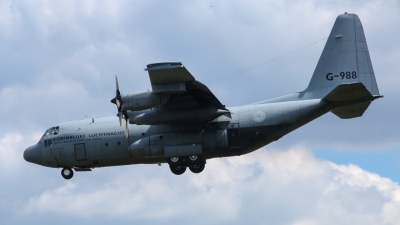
55	131
49	132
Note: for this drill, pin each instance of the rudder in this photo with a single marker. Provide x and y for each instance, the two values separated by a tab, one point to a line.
345	59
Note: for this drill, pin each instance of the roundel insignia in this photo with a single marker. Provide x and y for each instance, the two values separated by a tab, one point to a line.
259	116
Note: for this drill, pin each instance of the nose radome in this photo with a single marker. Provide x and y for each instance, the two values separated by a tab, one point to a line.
33	155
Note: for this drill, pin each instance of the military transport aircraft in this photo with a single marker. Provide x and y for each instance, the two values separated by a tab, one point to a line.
182	123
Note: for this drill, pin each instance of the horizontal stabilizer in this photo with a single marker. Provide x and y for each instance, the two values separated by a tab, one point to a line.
348	92
350	100
351	111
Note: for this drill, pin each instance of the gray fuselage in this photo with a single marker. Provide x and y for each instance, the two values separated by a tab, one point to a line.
101	142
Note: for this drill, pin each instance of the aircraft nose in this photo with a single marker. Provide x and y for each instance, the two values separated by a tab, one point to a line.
33	155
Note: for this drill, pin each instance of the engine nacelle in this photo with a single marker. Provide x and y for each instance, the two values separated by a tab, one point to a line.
143	100
156	117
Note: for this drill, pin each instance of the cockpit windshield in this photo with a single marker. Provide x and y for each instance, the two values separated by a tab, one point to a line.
49	132
52	131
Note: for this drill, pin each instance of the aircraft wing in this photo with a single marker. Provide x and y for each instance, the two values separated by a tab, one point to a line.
185	91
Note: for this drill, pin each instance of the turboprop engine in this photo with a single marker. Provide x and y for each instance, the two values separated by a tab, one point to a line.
138	101
176	97
135	102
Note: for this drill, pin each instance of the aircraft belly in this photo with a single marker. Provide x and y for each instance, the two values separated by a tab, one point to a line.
251	135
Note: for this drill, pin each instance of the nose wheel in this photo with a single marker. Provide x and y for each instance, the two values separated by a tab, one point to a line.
67	173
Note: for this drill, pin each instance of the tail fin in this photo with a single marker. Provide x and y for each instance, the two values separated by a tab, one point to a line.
345	59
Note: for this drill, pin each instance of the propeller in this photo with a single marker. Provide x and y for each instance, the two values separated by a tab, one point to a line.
122	114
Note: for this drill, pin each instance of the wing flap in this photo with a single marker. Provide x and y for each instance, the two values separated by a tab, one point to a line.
203	95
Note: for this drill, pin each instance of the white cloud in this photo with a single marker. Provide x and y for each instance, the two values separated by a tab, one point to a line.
278	187
8	19
52	98
12	146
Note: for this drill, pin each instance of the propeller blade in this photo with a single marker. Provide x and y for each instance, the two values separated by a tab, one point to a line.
125	119
116	85
120	119
118	103
123	122
126	131
125	125
117	99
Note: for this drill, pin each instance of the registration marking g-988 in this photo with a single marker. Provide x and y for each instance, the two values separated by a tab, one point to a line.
342	75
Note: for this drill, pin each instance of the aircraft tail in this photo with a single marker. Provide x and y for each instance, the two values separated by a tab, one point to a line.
345	59
345	69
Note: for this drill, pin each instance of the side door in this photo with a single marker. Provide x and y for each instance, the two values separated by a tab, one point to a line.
80	151
233	135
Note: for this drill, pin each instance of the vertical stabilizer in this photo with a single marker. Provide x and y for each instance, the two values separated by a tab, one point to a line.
345	59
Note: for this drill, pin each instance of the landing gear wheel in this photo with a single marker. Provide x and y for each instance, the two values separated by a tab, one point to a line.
194	159
197	168
175	161
67	173
177	170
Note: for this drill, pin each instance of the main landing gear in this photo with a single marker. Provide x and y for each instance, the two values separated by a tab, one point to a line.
67	173
178	165
177	170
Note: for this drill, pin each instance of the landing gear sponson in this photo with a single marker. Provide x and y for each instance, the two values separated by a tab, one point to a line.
178	165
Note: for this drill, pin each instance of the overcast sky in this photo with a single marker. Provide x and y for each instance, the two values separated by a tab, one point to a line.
57	63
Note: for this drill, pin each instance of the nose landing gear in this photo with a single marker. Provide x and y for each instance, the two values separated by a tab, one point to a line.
67	173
